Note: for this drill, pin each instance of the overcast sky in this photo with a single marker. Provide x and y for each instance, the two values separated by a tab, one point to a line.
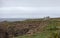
29	8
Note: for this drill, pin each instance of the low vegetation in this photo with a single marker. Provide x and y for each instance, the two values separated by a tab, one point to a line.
35	28
50	31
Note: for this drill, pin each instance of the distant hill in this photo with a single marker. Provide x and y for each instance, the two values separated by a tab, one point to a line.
27	19
12	19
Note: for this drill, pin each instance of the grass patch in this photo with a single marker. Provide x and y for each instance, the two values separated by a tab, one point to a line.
50	31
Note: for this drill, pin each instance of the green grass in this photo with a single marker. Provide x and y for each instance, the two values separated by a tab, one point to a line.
50	32
45	34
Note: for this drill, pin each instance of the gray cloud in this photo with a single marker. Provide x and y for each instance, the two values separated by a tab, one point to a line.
30	3
29	8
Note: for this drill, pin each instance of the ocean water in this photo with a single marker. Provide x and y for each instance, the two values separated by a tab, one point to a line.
12	19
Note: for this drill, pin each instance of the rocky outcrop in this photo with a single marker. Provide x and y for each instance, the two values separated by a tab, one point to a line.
13	29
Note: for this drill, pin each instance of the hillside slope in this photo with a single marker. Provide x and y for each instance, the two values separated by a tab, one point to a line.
50	30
